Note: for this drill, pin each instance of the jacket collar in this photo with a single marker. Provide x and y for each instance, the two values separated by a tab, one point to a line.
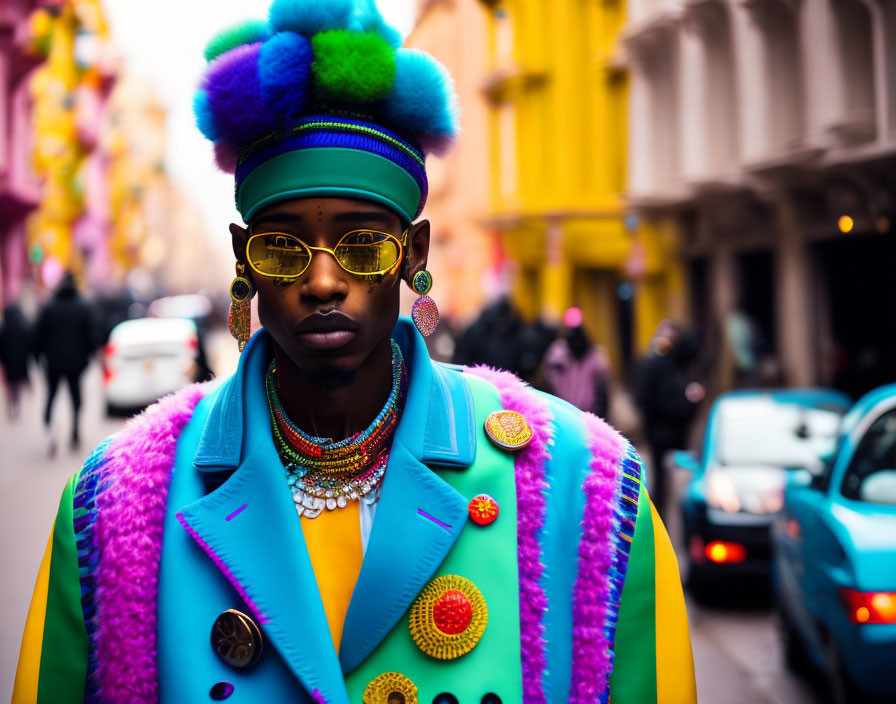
435	393
418	519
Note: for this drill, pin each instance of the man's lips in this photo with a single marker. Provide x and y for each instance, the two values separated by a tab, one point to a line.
327	331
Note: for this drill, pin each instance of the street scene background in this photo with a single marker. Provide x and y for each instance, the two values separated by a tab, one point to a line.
653	203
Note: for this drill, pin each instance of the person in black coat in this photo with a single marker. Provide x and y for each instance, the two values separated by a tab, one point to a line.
64	339
14	348
667	399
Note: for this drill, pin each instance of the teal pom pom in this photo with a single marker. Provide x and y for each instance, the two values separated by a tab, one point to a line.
309	17
422	100
247	32
352	67
205	119
284	70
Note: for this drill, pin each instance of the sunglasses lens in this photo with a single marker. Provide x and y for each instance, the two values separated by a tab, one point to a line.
367	252
277	254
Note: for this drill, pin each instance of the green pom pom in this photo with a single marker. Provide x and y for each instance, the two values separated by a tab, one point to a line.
247	32
352	67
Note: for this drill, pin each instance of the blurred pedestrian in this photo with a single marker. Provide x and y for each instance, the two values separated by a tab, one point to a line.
14	348
577	370
666	398
64	339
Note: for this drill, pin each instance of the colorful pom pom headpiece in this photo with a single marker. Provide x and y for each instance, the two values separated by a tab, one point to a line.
320	100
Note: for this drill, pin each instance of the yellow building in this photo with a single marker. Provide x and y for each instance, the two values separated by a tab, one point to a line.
557	120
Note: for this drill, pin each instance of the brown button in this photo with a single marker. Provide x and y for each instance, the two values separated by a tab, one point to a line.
236	639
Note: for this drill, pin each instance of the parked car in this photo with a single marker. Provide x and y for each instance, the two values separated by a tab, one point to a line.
834	547
147	358
754	440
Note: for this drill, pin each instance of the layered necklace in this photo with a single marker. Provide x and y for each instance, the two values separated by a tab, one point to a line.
327	475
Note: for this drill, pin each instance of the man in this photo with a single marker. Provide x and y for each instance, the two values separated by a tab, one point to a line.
666	399
344	520
64	338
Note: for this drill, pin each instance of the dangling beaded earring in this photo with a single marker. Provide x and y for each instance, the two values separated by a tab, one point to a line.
425	312
240	318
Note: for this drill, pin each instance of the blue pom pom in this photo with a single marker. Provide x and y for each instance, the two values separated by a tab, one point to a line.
423	100
284	69
309	17
205	118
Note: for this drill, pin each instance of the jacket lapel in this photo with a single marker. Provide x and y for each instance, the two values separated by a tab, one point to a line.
418	519
248	526
419	516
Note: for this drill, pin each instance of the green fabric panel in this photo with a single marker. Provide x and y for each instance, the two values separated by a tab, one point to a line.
329	171
63	658
486	555
633	680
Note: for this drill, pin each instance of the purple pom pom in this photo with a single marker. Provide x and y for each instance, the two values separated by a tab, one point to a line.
234	95
226	157
284	69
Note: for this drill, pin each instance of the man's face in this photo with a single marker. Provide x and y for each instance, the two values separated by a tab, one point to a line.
328	319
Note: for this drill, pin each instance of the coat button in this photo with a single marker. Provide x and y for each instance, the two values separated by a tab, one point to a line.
236	639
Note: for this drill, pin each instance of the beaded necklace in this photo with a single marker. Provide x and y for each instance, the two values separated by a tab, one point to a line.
323	474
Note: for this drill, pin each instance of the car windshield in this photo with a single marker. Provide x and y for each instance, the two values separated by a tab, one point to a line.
765	431
871	475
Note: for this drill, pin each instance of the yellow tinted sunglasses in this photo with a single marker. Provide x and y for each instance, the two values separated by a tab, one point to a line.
359	252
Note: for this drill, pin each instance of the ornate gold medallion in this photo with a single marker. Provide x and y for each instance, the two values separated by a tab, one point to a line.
508	430
448	617
236	639
390	688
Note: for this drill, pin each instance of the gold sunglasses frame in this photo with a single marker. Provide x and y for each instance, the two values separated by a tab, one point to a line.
402	247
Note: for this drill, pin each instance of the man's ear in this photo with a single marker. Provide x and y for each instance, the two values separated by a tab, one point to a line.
239	236
418	248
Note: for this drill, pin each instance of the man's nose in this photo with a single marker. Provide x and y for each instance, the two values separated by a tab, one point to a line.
324	279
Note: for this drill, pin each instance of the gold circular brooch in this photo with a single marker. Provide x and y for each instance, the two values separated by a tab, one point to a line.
390	688
508	430
448	618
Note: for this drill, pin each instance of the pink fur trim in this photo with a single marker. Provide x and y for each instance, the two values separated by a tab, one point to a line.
131	502
531	507
592	660
219	563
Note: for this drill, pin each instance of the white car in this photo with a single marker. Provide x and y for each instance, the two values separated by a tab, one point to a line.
146	359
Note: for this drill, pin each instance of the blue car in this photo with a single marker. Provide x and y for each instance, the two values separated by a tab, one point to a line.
834	551
754	441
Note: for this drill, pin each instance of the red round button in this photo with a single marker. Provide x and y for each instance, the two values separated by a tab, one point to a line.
483	509
452	612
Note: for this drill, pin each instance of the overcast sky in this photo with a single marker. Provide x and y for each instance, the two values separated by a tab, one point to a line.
163	41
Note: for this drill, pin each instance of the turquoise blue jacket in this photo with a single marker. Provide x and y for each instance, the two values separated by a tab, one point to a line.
138	627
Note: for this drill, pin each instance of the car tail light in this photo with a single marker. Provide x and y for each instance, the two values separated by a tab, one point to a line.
722	551
869	607
193	343
108	351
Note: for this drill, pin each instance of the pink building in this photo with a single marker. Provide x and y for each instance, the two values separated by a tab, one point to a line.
19	191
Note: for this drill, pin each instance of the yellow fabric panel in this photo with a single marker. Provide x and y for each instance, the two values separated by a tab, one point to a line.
675	683
334	546
28	671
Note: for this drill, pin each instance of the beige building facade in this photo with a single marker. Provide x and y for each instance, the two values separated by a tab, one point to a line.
764	133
